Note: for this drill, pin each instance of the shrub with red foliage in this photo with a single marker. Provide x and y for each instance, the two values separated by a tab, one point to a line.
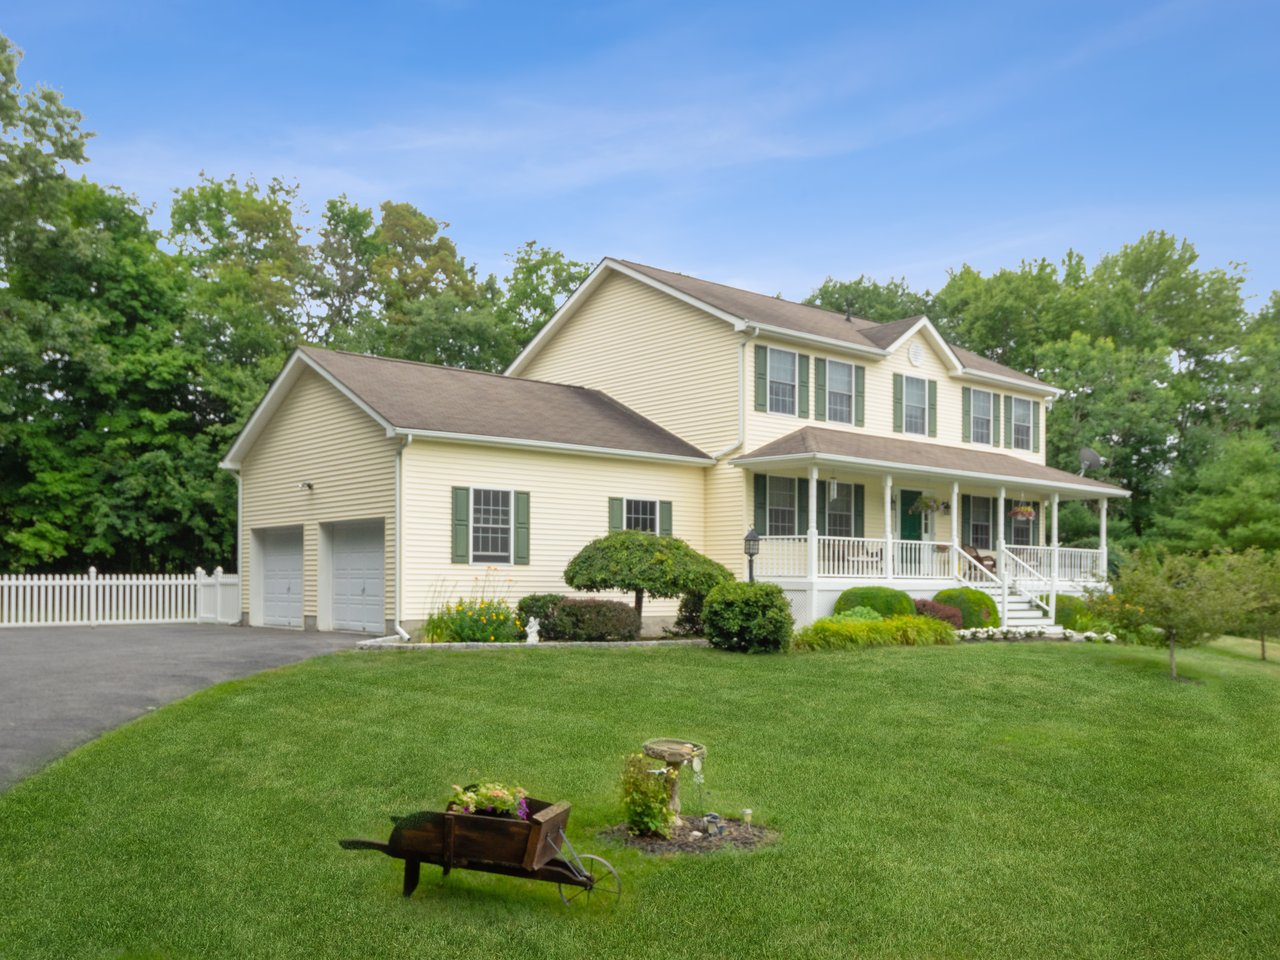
940	611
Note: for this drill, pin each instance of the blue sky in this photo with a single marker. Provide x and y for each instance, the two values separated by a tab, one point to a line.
766	145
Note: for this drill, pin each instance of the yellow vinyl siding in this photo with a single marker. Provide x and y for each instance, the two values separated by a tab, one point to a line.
320	436
661	357
568	507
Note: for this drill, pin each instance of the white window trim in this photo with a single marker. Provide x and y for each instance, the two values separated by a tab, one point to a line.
853	388
795	505
990	522
511	527
657	512
990	418
1013	430
924	419
769	381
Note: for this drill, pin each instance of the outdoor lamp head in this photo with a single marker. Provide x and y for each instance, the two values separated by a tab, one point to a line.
751	543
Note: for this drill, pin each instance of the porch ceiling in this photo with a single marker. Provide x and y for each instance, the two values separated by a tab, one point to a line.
834	448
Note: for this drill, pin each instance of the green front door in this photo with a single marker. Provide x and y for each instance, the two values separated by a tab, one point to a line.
910	524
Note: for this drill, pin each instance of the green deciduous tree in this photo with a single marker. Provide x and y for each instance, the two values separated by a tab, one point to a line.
642	563
871	300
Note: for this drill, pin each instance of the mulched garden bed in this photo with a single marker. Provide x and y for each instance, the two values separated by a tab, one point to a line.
682	840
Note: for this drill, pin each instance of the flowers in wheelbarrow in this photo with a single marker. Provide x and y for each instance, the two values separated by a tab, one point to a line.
491	799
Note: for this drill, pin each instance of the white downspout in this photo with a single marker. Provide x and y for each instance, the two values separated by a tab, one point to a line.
742	398
399	546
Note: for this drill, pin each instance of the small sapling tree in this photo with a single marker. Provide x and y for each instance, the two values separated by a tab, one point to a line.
643	563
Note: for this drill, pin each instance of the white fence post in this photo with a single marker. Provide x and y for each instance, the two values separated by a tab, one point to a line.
90	599
93	596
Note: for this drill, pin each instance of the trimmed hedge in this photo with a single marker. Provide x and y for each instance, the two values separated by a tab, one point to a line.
976	608
750	617
883	600
580	620
836	633
940	611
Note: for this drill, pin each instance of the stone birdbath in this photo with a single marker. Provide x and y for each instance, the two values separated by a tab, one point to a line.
675	754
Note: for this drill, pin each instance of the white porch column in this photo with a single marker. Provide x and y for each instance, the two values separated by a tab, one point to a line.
955	526
813	523
1053	572
1004	580
888	526
1102	537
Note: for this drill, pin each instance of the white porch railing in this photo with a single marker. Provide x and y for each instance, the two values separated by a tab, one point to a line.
92	599
921	560
857	557
1026	581
783	557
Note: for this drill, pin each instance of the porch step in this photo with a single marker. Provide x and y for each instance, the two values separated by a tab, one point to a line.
1023	613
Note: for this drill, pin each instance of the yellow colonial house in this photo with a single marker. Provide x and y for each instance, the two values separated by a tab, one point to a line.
374	490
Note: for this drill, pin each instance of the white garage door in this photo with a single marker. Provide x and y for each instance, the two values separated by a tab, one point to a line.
281	576
357	576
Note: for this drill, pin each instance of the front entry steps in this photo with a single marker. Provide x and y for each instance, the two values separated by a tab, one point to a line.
1024	613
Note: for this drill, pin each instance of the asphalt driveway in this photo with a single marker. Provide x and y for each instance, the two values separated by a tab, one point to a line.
63	686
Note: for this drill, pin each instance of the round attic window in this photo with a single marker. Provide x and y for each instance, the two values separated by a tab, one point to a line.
916	354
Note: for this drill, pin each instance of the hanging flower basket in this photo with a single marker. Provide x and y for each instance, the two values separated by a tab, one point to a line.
928	505
1023	513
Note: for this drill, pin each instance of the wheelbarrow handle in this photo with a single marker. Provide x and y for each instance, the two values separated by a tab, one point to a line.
365	845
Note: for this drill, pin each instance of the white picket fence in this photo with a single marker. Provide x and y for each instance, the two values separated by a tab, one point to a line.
93	599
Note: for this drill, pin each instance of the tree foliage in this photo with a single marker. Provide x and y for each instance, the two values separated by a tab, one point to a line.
870	300
642	563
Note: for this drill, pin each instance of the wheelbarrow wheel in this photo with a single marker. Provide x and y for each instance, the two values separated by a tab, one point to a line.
603	882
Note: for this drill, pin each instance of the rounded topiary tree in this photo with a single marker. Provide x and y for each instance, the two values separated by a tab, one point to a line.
751	617
885	601
976	608
643	563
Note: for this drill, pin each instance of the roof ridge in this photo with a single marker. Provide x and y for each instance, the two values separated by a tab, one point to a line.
444	366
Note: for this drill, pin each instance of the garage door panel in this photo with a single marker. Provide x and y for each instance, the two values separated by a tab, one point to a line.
282	577
358	554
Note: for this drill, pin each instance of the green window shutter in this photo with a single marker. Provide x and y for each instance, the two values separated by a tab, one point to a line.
897	403
859	509
615	514
1035	426
1008	421
966	516
762	505
966	409
762	377
995	419
664	518
802	507
522	528
933	408
461	525
802	385
822	508
819	389
1035	526
859	395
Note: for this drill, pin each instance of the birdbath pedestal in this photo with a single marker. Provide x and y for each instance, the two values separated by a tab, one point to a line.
675	754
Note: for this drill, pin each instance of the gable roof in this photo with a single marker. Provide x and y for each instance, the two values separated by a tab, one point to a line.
425	400
809	443
785	317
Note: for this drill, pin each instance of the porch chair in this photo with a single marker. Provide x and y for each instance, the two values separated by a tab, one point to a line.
987	561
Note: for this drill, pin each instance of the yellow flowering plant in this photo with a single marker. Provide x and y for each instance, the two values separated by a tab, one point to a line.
480	621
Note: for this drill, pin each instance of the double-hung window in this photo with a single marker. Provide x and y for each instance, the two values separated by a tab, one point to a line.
490	526
840	510
839	391
781	502
640	515
782	381
980	511
980	416
915	405
1020	531
1021	424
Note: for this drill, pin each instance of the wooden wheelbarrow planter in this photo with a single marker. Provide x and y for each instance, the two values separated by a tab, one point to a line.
530	848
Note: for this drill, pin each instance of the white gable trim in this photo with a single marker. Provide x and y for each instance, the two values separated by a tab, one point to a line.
925	325
994	378
553	446
294	367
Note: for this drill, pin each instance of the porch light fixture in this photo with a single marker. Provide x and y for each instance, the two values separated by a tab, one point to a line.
306	485
751	547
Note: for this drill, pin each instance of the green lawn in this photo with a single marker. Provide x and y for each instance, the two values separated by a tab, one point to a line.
992	800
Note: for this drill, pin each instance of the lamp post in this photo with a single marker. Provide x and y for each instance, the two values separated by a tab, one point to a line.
751	546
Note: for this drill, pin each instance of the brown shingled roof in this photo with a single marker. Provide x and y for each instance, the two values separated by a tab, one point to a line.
804	318
421	396
929	456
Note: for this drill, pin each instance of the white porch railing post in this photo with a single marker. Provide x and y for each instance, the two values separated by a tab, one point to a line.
888	526
955	523
93	596
813	542
1102	538
1001	567
1053	564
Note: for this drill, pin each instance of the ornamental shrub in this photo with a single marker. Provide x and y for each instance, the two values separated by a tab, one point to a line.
584	620
642	563
1068	611
976	608
940	611
857	613
542	606
837	633
883	600
751	617
646	796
